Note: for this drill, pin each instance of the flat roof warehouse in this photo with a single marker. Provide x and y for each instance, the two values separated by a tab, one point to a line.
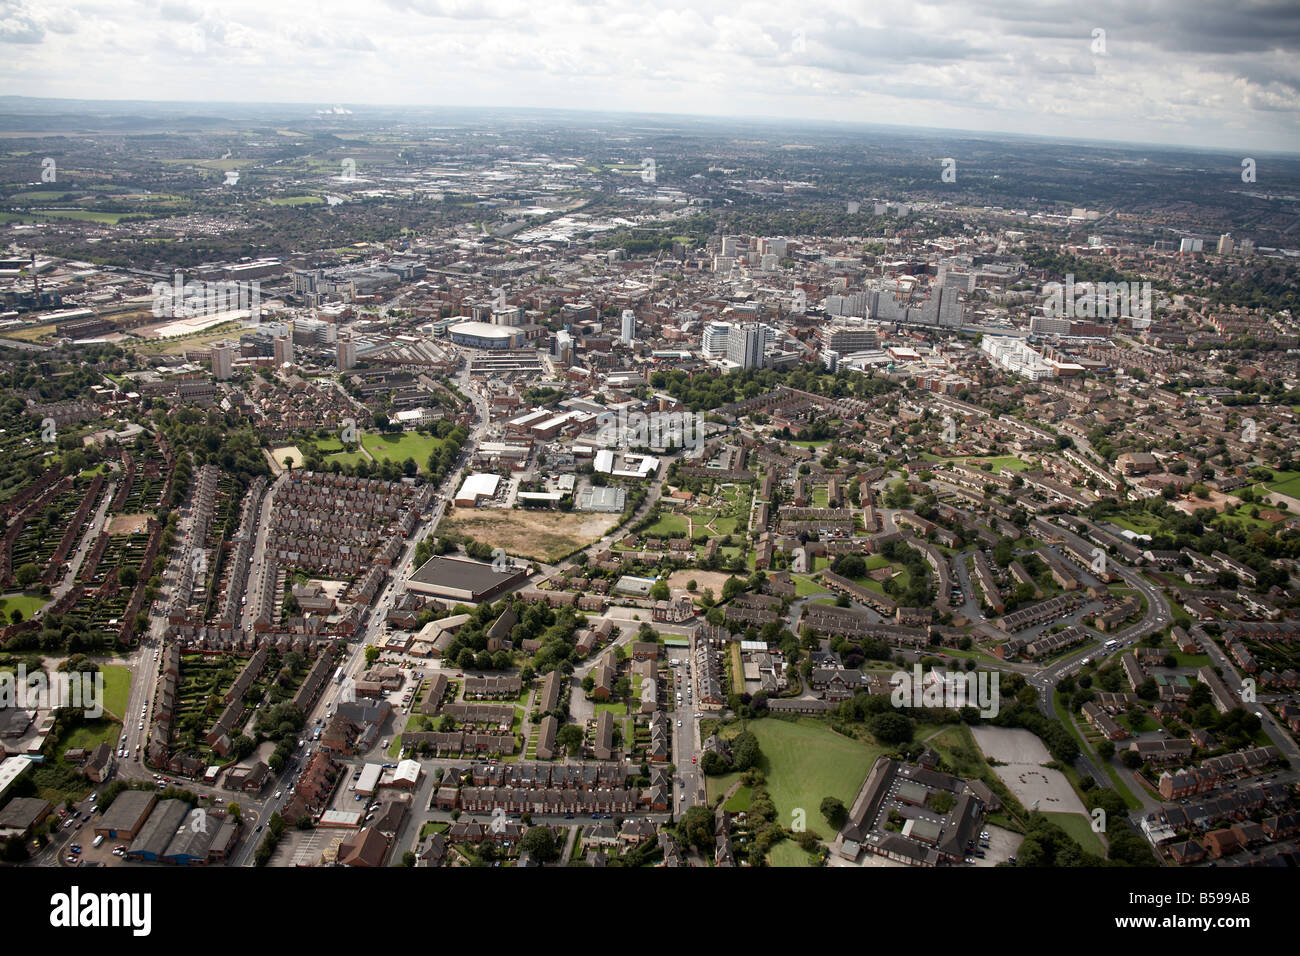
456	579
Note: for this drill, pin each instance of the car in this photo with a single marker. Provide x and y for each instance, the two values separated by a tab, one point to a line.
259	828
70	859
970	859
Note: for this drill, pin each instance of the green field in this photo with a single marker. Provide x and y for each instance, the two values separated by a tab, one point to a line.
1139	523
667	526
85	215
1286	483
804	762
25	603
398	448
296	201
804	585
788	853
999	462
1080	829
117	688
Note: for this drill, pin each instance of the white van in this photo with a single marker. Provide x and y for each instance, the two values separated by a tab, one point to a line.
98	840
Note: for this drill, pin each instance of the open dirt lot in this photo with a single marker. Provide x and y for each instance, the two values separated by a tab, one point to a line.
287	451
128	524
540	535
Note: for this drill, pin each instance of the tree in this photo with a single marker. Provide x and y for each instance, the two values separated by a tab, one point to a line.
659	591
539	843
127	577
834	811
890	728
570	737
27	575
745	751
696	828
372	654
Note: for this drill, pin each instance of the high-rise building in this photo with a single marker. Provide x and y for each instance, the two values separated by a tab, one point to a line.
845	339
346	352
563	350
745	345
1044	325
1225	244
628	335
714	343
307	281
283	350
223	357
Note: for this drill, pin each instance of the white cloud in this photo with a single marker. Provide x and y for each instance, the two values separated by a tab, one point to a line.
1011	65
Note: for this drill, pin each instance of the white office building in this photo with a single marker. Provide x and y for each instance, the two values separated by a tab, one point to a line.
745	345
714	342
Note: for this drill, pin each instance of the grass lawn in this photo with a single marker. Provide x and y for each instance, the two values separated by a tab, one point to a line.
957	747
1286	483
788	853
1144	524
117	688
399	447
804	585
1080	829
25	603
999	462
739	802
666	526
806	761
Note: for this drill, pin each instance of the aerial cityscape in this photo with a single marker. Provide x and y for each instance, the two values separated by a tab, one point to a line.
491	486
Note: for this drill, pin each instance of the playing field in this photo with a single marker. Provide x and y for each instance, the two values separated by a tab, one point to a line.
540	535
400	446
804	762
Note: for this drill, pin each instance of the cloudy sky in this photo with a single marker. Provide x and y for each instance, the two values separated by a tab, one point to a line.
1219	73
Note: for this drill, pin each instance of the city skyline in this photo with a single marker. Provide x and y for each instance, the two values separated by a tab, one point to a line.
1225	76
